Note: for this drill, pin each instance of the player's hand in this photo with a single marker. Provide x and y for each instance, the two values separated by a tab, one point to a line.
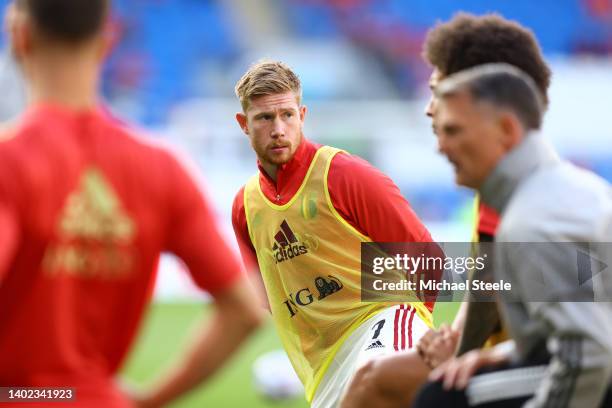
137	397
425	341
456	372
435	347
141	400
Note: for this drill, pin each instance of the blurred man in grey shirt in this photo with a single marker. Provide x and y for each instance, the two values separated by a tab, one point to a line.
554	216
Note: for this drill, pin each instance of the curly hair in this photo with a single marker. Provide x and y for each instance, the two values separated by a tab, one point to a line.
467	40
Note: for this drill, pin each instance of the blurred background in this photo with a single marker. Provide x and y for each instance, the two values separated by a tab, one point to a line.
175	63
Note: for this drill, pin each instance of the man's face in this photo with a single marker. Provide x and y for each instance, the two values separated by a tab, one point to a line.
470	135
16	24
434	79
273	124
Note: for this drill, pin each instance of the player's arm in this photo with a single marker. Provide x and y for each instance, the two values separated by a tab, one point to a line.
580	340
472	326
213	342
10	232
371	202
9	239
477	322
247	250
194	237
457	371
579	371
579	356
389	381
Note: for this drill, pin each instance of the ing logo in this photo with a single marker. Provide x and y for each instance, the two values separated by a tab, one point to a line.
306	296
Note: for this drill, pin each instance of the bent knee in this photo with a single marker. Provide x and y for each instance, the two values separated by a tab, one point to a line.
364	390
364	377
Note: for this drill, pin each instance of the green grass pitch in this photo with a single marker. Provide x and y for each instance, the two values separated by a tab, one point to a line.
167	328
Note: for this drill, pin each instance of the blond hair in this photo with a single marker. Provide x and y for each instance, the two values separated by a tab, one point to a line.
267	77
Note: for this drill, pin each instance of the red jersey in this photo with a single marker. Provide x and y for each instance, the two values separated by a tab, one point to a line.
85	210
488	220
365	197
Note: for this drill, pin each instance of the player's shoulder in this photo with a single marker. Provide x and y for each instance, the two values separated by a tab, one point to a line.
8	131
539	208
349	167
13	142
345	159
156	149
239	196
247	188
163	162
345	163
553	189
15	152
238	203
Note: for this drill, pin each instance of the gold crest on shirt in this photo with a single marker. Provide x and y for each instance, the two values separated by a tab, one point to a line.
94	212
94	232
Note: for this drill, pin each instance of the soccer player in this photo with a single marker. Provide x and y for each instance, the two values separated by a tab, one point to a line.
464	41
86	207
301	220
486	123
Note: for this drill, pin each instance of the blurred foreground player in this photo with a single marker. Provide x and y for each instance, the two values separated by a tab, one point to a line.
303	218
86	207
463	42
560	354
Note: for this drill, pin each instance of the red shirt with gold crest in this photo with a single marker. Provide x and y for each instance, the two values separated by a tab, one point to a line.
86	207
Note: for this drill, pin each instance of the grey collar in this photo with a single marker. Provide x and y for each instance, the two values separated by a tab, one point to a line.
531	154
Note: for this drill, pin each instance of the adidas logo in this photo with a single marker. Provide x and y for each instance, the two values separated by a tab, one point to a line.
376	344
94	233
94	212
286	245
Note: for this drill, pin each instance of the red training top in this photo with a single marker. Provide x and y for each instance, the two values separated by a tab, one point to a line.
364	196
85	210
488	220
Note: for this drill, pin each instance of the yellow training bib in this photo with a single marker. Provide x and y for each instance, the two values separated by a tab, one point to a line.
310	261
